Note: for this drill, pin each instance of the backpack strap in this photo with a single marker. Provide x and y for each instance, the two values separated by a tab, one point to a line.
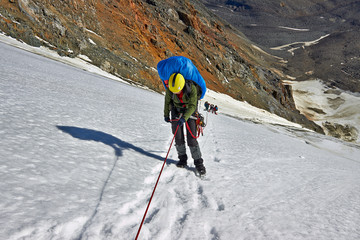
188	86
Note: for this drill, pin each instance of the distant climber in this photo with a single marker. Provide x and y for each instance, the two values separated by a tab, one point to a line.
211	107
206	104
215	109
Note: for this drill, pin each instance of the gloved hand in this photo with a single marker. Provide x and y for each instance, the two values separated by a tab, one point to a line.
167	119
181	121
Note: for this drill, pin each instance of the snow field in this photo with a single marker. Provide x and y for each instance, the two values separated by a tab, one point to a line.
335	105
81	154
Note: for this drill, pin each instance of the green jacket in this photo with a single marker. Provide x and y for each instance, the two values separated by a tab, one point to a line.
189	98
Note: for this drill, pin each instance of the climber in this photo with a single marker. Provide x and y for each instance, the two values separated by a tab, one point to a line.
181	100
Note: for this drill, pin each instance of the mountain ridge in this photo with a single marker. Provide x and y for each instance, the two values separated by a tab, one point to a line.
333	59
128	38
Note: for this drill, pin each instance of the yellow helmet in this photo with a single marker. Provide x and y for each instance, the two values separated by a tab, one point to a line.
176	82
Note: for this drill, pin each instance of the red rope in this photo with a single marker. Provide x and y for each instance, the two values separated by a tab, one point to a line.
147	208
200	130
188	128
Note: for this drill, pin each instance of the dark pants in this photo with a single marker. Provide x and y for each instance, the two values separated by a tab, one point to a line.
179	138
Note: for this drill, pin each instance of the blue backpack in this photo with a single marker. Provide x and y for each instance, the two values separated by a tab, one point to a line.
184	66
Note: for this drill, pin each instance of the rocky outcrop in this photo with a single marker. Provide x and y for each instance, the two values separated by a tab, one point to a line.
129	37
345	132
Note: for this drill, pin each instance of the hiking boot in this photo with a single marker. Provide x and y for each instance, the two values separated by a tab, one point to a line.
182	161
200	166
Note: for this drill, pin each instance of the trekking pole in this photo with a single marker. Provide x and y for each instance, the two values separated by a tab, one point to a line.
147	208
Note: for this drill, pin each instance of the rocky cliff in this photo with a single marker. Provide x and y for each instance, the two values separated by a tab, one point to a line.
129	37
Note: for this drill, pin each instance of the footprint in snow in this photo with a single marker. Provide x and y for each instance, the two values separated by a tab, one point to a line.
221	207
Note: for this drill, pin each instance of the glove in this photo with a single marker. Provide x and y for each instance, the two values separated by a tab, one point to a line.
181	121
167	119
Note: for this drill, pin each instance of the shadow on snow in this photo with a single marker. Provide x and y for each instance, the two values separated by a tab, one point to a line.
117	144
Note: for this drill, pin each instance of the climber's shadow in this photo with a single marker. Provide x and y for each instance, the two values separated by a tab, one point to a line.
117	144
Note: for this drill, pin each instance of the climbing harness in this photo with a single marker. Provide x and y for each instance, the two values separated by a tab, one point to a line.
200	125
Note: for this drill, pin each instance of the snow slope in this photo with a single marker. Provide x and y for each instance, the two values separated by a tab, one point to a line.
80	155
330	104
226	103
